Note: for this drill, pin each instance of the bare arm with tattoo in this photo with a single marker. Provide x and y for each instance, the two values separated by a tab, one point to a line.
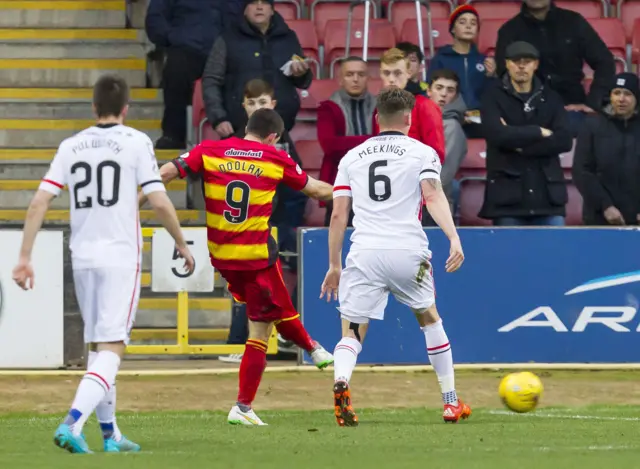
438	207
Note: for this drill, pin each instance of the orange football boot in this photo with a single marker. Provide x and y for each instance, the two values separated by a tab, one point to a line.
453	413
345	415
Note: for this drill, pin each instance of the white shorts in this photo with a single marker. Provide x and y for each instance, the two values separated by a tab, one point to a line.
370	276
108	299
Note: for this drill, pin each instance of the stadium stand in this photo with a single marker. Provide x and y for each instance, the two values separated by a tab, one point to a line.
320	90
289	9
439	33
488	36
399	11
323	11
310	153
309	42
340	42
612	33
492	10
628	11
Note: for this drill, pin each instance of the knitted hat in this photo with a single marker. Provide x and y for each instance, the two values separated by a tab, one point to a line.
461	10
627	81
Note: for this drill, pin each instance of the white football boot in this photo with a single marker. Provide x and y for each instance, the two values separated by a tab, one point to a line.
238	417
321	358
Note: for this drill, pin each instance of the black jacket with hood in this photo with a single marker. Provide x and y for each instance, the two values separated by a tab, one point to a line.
242	54
524	176
565	41
606	167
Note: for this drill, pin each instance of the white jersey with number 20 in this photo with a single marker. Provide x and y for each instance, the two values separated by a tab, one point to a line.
102	168
382	176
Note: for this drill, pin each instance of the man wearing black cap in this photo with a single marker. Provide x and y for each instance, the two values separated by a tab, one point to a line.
258	45
526	128
566	41
606	166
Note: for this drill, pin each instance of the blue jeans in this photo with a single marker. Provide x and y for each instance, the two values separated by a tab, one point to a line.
555	220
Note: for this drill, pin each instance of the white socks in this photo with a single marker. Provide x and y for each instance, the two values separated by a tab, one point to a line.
345	357
106	410
441	359
93	388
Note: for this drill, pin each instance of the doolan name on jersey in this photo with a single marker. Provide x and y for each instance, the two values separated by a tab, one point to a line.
382	176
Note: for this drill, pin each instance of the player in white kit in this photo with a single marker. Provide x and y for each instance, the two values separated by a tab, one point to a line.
385	179
102	167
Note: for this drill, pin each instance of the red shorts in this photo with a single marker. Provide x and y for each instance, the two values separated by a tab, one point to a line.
263	291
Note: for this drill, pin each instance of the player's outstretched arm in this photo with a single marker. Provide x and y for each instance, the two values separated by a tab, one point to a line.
23	272
438	207
339	220
318	190
168	172
166	213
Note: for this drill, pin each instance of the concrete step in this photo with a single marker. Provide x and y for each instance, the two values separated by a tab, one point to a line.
61	217
47	133
15	194
82	95
72	44
73	110
63	14
36	156
69	73
203	312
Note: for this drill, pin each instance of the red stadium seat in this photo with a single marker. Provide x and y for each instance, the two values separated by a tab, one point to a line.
488	36
323	11
471	200
374	85
381	38
566	159
200	130
574	206
496	10
586	83
475	163
611	32
588	9
311	154
439	33
635	43
314	214
400	11
304	131
288	9
628	12
308	41
320	90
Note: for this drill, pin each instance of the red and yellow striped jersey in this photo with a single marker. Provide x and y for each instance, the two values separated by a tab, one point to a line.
240	180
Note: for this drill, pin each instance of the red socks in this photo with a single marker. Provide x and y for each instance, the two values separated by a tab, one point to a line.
293	330
254	361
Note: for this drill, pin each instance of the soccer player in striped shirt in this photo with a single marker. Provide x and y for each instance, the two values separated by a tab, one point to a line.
240	179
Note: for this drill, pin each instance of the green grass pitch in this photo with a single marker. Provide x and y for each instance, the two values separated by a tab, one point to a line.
557	438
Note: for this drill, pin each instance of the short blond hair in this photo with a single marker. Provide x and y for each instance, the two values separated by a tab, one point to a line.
392	56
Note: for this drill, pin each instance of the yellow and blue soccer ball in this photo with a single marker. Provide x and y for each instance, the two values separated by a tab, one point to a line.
521	392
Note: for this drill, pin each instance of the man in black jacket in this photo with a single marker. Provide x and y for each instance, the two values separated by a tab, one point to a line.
185	30
606	166
257	46
565	41
526	128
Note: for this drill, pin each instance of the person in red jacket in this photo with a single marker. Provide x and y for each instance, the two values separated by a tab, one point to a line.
426	118
345	120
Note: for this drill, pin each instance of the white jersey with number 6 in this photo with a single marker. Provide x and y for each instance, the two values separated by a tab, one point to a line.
382	176
102	168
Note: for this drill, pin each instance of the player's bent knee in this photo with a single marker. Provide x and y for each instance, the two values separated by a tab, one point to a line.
426	315
355	328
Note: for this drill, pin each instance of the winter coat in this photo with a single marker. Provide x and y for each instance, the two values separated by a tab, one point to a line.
242	54
606	167
469	68
188	24
524	176
454	139
565	41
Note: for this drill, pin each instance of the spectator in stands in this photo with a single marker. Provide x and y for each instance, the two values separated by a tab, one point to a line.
185	30
444	91
257	46
526	128
463	57
345	120
566	41
426	118
606	166
416	59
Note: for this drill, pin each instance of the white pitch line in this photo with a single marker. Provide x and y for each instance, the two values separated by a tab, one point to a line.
566	416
